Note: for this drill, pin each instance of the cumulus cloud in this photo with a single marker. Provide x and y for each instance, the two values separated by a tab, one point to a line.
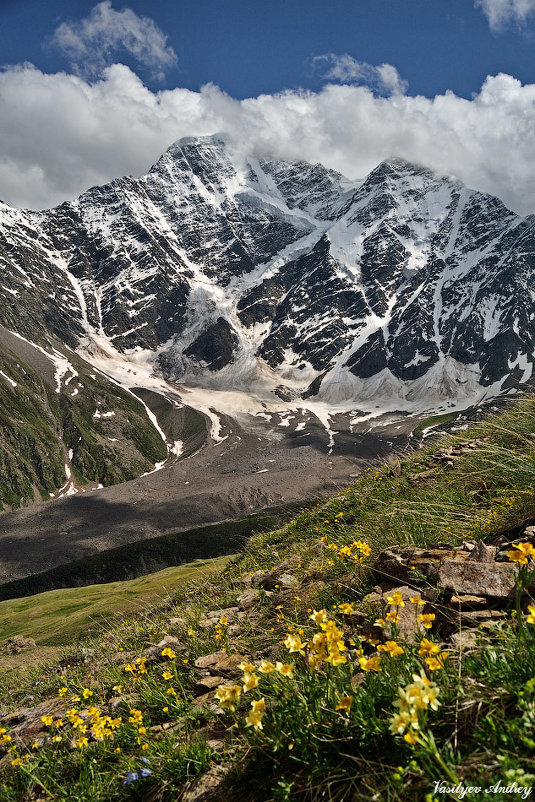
344	69
502	12
88	133
91	43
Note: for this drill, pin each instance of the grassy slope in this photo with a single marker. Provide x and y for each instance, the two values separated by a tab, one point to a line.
60	617
487	490
39	426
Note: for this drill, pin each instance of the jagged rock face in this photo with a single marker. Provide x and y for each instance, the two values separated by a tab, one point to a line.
232	267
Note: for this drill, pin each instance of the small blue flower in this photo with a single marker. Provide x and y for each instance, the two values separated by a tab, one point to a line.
131	776
145	772
145	760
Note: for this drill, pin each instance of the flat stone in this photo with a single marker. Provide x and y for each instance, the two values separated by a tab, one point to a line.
475	618
221	663
288	580
205	698
177	622
497	580
270	579
207	787
216	745
24	724
227	612
208	683
464	639
467	602
153	654
249	598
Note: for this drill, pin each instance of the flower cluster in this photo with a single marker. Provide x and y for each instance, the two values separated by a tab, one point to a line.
414	700
228	696
356	551
137	668
328	645
432	654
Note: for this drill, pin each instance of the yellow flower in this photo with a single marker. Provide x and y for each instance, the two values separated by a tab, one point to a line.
56	739
345	551
346	608
428	648
392	648
393	616
411	738
117	688
165	709
142	730
223	621
286	669
62	691
380	622
250	681
344	704
171	691
531	617
16	762
427	619
247	667
396	599
228	696
167	652
416	600
192	632
47	720
86	693
254	717
371	664
436	663
81	742
167	674
144	747
363	548
294	643
266	667
319	616
521	553
136	716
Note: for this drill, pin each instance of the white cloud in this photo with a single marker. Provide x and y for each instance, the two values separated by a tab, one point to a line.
91	43
501	12
344	69
60	134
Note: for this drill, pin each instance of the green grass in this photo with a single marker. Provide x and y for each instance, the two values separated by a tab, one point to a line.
435	420
60	617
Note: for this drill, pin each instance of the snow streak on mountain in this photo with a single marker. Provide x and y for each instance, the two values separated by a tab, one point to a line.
404	290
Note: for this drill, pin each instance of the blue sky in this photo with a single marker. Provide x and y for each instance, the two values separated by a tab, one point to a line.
249	47
90	91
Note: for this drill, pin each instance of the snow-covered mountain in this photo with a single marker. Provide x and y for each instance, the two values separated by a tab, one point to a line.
403	290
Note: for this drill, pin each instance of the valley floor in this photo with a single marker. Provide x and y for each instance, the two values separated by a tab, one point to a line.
256	464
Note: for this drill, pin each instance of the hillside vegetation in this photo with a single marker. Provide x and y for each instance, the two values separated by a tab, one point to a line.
99	430
281	677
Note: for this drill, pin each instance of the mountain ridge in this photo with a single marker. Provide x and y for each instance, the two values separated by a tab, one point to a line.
231	271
